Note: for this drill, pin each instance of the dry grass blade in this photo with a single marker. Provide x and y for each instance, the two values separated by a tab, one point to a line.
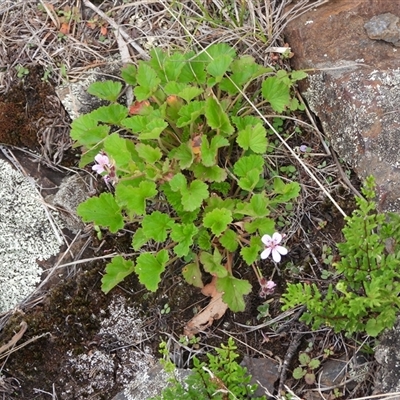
143	54
15	338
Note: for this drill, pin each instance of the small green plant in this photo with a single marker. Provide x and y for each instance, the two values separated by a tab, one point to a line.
221	377
21	71
186	167
366	297
166	309
306	369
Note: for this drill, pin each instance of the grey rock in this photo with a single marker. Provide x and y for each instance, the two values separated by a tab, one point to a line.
26	235
73	191
353	87
384	27
264	372
387	354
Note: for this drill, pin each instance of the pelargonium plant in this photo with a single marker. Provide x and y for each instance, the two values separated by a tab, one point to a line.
186	167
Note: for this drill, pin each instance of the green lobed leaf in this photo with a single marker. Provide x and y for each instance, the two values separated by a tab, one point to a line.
149	153
190	112
157	225
212	263
243	122
117	149
86	131
286	191
203	239
219	65
106	90
173	65
257	207
116	271
194	195
217	220
183	234
153	129
134	198
220	187
139	239
209	174
298	75
111	114
250	181
298	373
244	69
253	138
218	50
229	240
251	253
183	154
103	211
264	226
147	80
194	68
248	163
128	73
209	150
234	290
192	274
149	268
277	93
178	182
217	118
190	92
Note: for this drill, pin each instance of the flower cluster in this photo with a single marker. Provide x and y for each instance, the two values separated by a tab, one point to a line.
267	287
271	247
104	165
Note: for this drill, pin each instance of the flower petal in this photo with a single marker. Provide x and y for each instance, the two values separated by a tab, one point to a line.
267	240
282	250
277	237
265	254
98	168
102	159
275	255
270	285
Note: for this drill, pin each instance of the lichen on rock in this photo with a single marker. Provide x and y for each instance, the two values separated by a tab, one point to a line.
26	236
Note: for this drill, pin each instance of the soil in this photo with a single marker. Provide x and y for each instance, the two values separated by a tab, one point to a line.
71	311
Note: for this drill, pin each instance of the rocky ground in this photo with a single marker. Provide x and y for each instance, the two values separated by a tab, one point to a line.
76	342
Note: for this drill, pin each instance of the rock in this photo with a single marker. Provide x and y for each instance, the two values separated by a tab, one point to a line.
264	372
387	354
26	236
354	86
384	27
73	191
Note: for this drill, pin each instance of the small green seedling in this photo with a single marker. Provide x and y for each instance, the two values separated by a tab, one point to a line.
21	71
166	309
306	369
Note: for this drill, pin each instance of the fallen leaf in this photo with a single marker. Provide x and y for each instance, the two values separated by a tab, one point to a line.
215	310
64	29
137	106
103	30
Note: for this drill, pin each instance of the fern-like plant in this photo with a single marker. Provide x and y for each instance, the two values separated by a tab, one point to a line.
366	296
221	377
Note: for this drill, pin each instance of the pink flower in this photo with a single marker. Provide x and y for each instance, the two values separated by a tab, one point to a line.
270	285
272	246
103	163
267	287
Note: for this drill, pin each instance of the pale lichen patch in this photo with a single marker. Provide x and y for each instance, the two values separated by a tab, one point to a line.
26	236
